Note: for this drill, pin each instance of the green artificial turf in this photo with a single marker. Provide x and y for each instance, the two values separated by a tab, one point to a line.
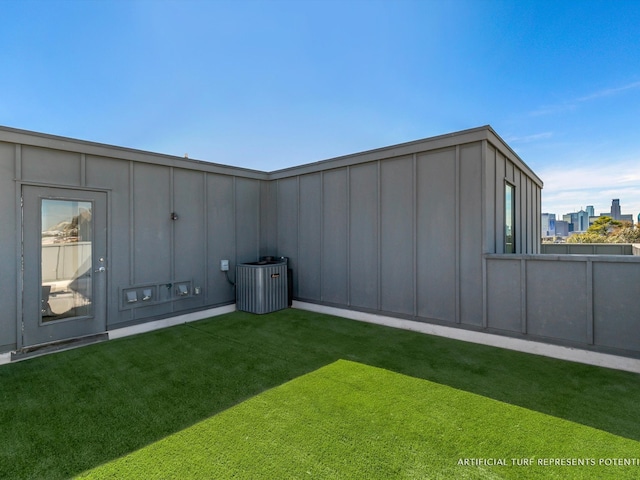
349	420
69	412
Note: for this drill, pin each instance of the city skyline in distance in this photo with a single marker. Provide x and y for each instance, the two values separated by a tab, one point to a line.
570	189
597	211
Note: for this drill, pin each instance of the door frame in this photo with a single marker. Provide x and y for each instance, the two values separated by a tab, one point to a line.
100	292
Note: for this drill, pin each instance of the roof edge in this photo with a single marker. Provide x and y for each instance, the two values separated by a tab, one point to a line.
476	134
56	142
485	132
514	157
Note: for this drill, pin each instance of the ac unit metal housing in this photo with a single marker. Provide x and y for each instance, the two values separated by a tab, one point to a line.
261	287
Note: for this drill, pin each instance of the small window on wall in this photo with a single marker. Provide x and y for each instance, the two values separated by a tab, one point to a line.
509	218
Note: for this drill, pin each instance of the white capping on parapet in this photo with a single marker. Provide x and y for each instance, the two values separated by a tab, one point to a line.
527	346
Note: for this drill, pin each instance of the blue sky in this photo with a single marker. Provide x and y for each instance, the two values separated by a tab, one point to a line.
271	84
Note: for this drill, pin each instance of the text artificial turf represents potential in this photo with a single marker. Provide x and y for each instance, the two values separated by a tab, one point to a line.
349	420
69	412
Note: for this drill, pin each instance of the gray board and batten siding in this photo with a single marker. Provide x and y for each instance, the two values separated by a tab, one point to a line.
402	231
415	231
218	211
585	301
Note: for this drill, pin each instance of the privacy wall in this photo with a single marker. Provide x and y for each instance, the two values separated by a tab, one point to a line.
587	301
402	230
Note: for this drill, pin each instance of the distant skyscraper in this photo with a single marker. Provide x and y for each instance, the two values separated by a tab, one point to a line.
577	221
590	210
583	220
615	209
562	228
548	224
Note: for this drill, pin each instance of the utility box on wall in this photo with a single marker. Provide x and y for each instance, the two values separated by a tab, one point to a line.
261	287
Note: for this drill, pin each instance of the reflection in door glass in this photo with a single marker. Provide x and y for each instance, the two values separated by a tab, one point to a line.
66	259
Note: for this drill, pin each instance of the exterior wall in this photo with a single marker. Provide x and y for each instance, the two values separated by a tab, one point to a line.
307	263
470	243
8	248
588	301
502	168
403	231
414	231
219	217
400	230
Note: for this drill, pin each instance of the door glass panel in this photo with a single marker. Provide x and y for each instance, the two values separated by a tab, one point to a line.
66	259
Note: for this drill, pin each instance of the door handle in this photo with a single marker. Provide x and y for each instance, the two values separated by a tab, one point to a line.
101	270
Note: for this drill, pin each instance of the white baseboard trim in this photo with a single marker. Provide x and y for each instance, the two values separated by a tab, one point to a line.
5	358
528	346
169	322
